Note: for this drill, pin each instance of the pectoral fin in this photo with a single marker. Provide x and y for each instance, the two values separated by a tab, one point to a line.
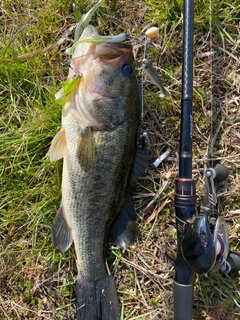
125	230
61	233
85	149
58	148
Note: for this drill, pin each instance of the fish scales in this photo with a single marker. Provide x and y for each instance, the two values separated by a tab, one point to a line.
98	142
94	199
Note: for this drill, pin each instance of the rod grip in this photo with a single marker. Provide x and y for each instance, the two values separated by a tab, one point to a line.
183	301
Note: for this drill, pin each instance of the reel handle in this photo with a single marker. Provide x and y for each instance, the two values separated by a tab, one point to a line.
212	175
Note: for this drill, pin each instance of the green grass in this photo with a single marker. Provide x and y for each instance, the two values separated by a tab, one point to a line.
36	281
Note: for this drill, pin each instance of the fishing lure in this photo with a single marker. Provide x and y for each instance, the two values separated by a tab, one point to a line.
152	32
153	76
98	39
86	18
67	87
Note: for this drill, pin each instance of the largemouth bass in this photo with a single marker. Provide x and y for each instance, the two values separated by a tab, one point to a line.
98	142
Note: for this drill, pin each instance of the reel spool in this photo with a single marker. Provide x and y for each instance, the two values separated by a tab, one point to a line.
205	244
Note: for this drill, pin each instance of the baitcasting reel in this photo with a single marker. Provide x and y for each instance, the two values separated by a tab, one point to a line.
205	244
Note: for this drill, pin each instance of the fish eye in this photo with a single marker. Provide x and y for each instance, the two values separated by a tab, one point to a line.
127	69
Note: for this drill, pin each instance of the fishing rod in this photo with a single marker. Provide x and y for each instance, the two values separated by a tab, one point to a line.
202	237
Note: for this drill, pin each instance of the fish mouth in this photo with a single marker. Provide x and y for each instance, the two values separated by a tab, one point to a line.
110	51
101	95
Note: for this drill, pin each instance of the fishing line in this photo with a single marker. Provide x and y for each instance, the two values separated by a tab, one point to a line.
115	20
144	56
87	54
211	81
68	64
68	61
77	73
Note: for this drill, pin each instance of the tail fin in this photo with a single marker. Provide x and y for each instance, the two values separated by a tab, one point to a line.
97	301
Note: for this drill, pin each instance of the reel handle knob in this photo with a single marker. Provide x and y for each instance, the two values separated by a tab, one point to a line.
232	262
220	172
